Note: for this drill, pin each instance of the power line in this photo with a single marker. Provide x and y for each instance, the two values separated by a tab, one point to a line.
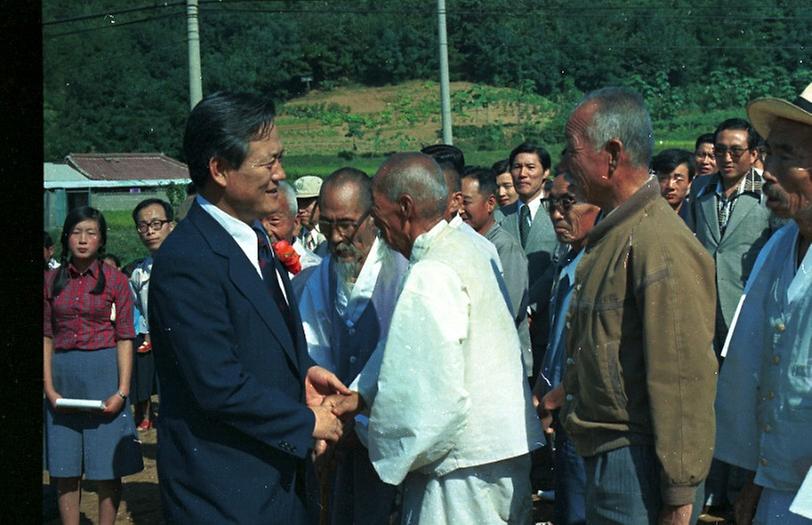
113	25
111	13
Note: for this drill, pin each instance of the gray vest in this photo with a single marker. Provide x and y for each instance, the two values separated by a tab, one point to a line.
356	341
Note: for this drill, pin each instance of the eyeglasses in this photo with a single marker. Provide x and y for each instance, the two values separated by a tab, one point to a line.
735	152
155	224
345	227
562	204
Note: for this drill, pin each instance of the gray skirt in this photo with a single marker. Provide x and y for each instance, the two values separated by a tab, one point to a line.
99	446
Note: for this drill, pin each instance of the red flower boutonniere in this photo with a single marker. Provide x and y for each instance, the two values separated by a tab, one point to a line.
287	256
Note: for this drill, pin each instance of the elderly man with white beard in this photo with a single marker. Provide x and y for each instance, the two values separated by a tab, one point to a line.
346	305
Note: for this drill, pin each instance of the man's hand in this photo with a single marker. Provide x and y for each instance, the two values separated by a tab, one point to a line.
328	426
320	383
744	508
345	406
552	400
675	515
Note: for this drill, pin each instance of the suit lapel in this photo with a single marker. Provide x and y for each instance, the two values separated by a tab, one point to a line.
707	207
510	222
744	205
246	279
541	224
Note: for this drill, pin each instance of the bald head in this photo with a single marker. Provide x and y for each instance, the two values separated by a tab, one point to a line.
409	197
417	175
348	181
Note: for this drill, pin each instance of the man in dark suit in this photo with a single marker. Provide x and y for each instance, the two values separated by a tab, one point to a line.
239	394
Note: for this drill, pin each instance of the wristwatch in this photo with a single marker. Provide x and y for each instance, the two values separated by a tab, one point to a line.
122	395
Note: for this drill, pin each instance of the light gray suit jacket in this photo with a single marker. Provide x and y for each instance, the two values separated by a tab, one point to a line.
749	227
542	250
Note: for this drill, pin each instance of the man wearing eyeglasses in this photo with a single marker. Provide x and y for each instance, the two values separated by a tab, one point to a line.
154	221
346	305
729	215
572	220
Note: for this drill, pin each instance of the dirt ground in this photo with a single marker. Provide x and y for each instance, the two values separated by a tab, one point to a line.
141	501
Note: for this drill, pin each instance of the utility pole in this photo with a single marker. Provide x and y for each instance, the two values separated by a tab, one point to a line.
195	76
445	96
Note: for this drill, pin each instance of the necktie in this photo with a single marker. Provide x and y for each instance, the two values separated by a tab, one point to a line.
267	264
524	223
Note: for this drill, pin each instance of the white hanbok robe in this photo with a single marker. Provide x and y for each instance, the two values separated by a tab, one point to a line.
451	406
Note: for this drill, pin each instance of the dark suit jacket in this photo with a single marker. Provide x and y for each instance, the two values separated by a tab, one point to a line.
234	430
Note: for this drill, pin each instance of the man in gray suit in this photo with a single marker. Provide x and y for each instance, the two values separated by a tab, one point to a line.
478	205
729	216
528	221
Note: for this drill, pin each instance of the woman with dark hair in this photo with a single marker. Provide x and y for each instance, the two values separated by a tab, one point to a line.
87	354
675	169
505	192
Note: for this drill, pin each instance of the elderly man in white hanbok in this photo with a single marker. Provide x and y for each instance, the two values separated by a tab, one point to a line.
451	415
764	401
346	305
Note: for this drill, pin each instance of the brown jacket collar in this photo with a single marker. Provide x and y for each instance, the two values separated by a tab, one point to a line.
647	193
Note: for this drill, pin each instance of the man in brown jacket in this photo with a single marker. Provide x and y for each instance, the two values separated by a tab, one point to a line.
640	380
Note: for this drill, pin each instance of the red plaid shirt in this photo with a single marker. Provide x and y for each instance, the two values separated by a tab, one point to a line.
78	319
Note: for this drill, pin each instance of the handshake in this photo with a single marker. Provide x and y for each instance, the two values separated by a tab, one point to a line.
333	404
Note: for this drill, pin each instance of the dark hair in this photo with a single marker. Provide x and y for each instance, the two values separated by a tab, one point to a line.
168	211
49	241
485	177
74	217
705	138
191	189
446	154
114	257
761	144
738	124
528	147
501	166
348	175
221	126
667	161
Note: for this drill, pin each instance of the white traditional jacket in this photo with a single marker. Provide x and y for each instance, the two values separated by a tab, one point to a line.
451	391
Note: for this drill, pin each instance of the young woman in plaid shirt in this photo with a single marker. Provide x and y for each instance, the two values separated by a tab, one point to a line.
88	333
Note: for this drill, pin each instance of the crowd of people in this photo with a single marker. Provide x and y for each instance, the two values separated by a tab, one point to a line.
402	346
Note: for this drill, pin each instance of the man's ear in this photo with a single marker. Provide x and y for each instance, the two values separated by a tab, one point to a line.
218	170
614	148
490	203
407	207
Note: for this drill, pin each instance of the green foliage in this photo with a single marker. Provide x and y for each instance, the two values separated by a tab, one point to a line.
125	87
176	193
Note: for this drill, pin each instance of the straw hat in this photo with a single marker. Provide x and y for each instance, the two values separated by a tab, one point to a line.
764	111
307	186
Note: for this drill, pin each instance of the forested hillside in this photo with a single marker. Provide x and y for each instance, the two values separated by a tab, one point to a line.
115	72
